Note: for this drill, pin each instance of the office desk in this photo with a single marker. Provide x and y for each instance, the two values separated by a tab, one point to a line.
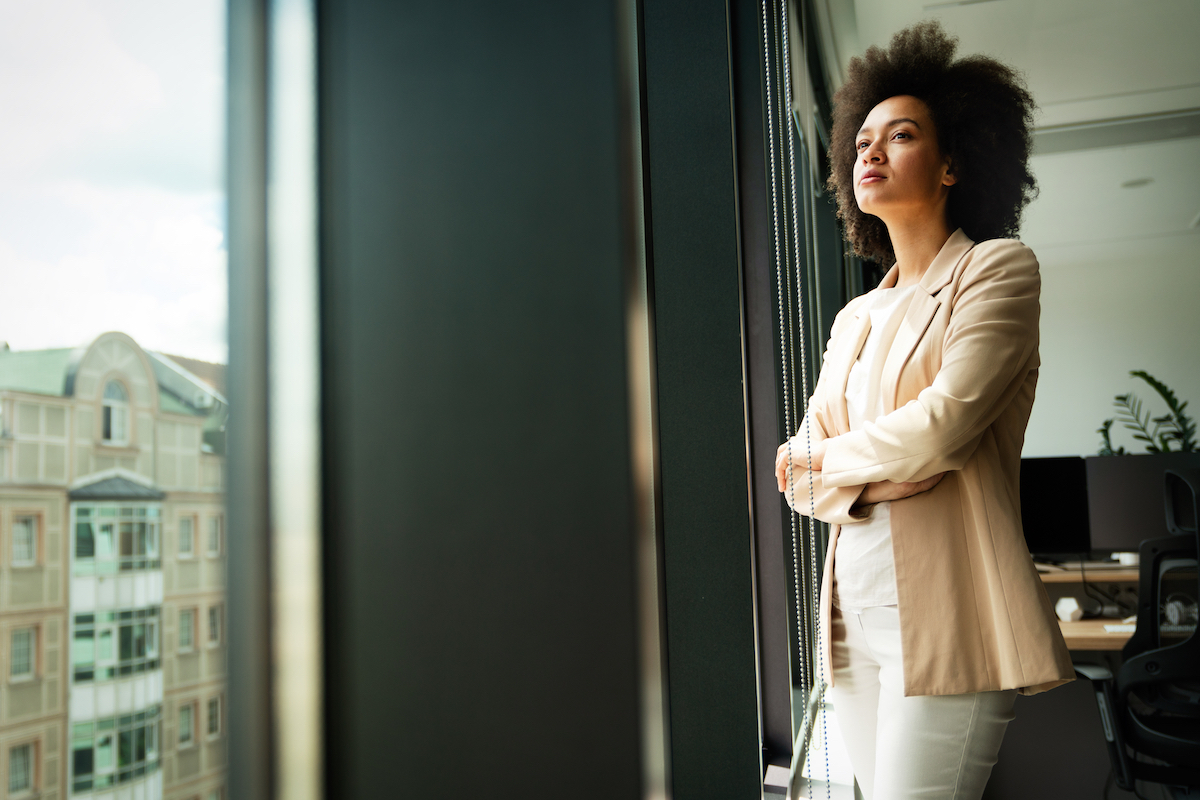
1089	634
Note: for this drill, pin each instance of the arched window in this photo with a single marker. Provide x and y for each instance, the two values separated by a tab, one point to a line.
116	413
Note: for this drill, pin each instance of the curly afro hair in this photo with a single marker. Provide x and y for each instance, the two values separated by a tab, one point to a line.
983	114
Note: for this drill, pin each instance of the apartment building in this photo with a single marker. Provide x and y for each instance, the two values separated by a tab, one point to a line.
111	575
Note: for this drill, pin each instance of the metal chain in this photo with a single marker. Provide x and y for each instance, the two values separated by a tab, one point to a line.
809	252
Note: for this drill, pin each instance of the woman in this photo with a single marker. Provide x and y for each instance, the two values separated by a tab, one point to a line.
934	615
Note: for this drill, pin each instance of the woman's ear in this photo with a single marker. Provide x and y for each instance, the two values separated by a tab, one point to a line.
948	177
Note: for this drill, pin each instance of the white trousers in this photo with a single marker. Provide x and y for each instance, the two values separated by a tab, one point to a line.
939	747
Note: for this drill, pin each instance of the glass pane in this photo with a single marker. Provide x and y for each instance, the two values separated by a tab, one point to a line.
20	769
104	541
126	642
114	254
83	649
85	540
124	748
83	762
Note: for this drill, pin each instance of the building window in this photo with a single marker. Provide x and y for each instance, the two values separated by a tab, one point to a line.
114	750
214	717
20	769
116	538
25	538
187	630
187	536
116	414
113	644
214	625
214	536
187	724
22	654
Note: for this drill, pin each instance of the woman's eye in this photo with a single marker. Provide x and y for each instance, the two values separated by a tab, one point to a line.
861	145
901	134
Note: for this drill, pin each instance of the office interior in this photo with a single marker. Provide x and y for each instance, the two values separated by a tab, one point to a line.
506	290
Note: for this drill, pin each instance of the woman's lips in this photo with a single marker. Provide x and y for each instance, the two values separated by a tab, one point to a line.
869	178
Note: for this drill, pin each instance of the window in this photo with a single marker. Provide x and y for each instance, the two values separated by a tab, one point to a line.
187	724
24	545
20	769
116	538
187	630
116	414
114	750
21	655
187	536
112	644
214	536
214	717
214	625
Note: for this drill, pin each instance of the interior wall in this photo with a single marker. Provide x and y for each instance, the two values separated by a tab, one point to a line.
1101	319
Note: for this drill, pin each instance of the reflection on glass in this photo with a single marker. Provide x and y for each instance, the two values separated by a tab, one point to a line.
112	406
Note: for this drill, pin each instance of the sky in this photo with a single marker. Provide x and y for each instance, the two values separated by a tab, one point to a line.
112	206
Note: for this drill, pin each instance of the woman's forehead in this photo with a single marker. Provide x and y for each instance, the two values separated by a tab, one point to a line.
899	108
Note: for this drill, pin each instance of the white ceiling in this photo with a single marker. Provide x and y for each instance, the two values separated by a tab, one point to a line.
1084	60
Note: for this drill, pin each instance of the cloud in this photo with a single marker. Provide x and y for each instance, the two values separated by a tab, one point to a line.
151	264
111	204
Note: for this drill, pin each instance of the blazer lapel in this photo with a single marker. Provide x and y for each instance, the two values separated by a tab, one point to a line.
921	312
839	364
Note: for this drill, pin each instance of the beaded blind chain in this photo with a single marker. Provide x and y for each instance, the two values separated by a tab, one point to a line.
791	327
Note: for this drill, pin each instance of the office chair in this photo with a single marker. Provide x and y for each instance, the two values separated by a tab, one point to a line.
1151	711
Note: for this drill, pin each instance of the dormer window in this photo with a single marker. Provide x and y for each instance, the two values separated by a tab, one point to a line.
116	414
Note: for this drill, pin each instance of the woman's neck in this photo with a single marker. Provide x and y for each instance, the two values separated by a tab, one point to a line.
916	245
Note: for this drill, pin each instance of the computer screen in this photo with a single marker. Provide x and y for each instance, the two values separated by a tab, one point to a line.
1127	497
1054	507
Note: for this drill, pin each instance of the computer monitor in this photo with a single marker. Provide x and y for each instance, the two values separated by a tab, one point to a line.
1127	497
1054	507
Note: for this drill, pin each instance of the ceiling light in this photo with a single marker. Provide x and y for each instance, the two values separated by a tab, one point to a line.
950	3
1136	182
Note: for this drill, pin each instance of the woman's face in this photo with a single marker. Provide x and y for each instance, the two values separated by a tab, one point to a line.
899	171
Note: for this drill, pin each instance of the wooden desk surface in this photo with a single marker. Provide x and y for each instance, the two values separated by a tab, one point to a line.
1089	634
1093	576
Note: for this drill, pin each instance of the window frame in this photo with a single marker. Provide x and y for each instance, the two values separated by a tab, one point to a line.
214	625
120	627
34	638
34	773
192	708
190	612
35	539
215	535
216	701
192	520
135	527
108	412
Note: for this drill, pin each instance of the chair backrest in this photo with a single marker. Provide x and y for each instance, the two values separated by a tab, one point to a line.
1158	686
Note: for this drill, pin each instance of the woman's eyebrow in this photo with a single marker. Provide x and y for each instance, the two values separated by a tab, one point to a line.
891	124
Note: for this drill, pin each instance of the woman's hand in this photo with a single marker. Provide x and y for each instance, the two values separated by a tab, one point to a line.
801	458
880	491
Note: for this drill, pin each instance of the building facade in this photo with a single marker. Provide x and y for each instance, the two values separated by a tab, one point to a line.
112	554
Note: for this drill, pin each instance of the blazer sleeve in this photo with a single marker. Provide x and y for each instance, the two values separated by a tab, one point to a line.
808	494
990	346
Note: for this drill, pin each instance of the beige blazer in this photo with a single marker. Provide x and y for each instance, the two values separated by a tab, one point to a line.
957	387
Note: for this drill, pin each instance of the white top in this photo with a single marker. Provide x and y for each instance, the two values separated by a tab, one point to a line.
864	571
